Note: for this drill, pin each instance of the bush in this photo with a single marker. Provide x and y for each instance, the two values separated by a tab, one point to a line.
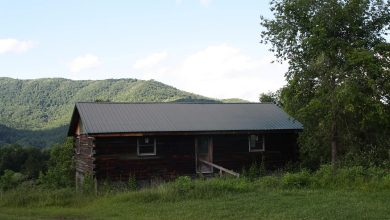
297	180
10	179
183	184
268	182
353	177
88	185
324	176
255	170
132	182
61	168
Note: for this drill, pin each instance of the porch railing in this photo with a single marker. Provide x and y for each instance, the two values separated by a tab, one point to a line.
221	169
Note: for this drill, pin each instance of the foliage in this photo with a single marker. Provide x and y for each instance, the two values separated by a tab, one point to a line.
60	171
234	100
10	180
10	136
255	170
26	160
356	177
338	82
32	109
270	97
29	194
183	184
132	182
354	192
88	185
297	180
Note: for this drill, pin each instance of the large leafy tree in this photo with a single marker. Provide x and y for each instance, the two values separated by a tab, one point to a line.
338	77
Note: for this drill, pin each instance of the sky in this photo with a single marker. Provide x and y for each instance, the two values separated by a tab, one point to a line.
208	47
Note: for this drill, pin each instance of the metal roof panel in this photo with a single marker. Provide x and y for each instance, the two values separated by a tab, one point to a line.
106	117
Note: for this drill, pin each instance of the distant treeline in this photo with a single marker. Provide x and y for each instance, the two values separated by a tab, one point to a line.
36	112
50	167
38	138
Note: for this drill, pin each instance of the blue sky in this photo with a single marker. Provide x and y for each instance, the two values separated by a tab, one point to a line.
209	47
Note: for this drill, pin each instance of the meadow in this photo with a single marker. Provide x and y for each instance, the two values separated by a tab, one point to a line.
349	193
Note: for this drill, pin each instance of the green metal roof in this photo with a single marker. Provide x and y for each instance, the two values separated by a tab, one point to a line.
108	117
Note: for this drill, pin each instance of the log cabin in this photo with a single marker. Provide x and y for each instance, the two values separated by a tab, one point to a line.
161	141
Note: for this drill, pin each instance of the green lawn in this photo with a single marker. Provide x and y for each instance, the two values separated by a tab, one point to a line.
256	204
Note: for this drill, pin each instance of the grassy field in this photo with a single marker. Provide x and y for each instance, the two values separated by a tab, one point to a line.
352	193
260	204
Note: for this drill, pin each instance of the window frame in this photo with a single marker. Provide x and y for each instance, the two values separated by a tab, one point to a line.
263	143
140	145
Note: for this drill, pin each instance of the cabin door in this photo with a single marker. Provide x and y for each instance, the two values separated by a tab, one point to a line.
204	151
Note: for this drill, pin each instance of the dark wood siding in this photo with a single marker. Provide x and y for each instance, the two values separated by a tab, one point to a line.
116	158
232	151
280	148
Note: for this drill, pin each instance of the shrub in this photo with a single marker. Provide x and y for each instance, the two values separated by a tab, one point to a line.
324	176
220	186
255	170
183	184
88	185
132	182
61	168
10	179
386	181
297	180
268	182
352	177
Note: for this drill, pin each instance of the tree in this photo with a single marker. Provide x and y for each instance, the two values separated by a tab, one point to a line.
60	171
272	97
338	77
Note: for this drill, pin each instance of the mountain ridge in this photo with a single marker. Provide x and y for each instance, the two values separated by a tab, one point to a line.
32	109
48	102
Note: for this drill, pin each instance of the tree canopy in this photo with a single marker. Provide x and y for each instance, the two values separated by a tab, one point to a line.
338	81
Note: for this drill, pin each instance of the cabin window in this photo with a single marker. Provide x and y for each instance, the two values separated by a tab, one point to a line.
256	143
146	146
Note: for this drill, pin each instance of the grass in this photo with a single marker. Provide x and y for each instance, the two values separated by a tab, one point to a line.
352	193
260	204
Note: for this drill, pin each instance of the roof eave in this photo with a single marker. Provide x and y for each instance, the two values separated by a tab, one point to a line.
143	133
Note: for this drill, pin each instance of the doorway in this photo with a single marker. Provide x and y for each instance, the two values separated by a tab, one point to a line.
203	151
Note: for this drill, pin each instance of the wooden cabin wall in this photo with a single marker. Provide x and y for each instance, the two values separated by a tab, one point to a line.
232	151
84	157
116	158
280	149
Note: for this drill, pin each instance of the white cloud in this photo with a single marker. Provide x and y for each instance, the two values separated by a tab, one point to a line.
150	61
84	62
205	2
222	71
10	45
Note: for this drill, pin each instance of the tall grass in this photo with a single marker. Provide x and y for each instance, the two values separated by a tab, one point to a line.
29	194
355	177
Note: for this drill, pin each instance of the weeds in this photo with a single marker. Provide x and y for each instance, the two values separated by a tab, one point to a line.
30	194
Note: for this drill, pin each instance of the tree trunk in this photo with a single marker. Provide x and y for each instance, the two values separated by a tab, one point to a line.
334	143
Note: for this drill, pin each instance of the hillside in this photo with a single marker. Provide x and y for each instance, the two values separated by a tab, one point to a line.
48	103
31	108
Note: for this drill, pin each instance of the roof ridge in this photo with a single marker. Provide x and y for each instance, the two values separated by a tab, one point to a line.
206	103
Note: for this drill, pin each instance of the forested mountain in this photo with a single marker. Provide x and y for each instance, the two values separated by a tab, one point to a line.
36	112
